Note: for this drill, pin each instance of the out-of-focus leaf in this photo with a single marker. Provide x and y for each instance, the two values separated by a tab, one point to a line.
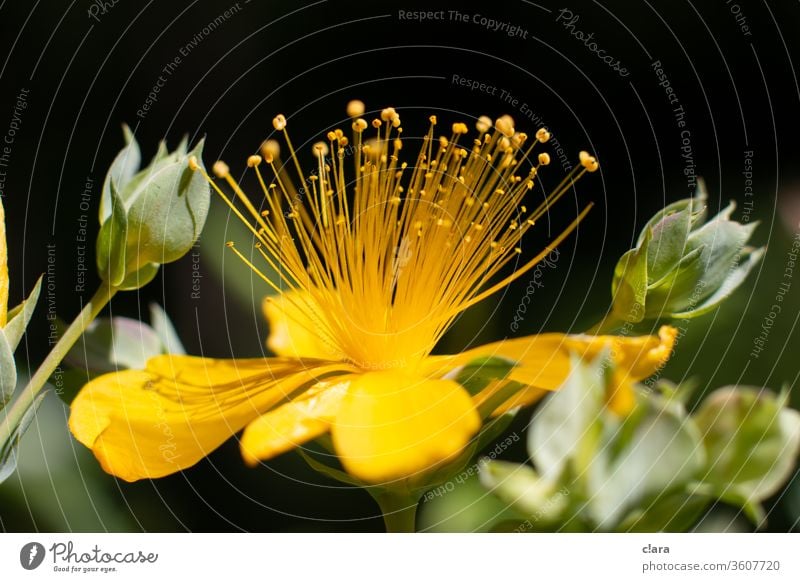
565	427
669	511
477	374
161	324
8	449
752	441
520	487
112	344
664	453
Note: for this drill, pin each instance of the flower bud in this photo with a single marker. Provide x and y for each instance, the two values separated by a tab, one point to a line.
150	217
683	266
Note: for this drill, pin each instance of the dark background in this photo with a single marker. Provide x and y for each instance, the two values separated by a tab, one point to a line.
86	77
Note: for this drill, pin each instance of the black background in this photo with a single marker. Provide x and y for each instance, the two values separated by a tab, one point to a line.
740	92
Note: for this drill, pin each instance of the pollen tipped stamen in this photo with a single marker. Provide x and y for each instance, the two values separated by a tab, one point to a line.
391	264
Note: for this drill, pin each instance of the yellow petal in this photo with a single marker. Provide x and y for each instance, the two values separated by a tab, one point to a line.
544	360
293	331
392	425
3	267
153	422
295	423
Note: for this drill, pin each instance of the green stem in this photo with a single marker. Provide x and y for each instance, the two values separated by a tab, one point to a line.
606	325
91	310
399	511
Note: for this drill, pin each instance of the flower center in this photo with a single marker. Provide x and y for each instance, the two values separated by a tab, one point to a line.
387	261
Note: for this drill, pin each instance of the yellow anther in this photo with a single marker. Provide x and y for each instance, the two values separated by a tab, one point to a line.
270	149
388	114
588	161
320	148
443	141
253	161
229	244
376	123
355	108
193	164
543	135
432	119
221	169
505	125
331	136
483	124
279	122
544	158
460	128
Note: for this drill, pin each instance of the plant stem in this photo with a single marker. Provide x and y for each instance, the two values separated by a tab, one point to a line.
607	324
399	511
16	411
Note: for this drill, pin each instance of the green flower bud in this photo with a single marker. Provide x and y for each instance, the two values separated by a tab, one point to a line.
150	217
752	440
683	266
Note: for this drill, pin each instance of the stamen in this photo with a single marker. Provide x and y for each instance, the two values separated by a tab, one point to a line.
355	108
388	266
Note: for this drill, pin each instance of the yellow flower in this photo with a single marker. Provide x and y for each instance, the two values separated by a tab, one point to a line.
370	273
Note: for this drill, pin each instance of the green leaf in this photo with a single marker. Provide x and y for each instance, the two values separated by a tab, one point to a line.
329	471
752	441
8	449
161	324
695	205
668	511
724	241
668	244
112	242
20	316
8	370
140	278
120	173
480	372
629	287
734	279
